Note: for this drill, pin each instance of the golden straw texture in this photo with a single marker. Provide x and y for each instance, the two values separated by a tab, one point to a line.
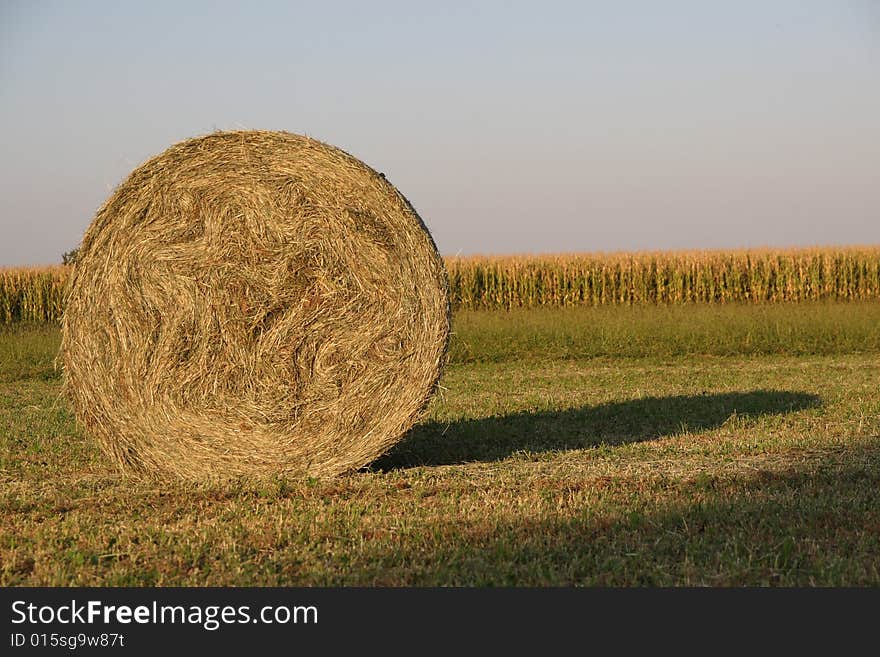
253	304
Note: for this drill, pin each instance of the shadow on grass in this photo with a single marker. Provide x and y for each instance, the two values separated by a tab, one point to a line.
495	438
806	524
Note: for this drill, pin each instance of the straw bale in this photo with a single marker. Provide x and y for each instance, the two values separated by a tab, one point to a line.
253	304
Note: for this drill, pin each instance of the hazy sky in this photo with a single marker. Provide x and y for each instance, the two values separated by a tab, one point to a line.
512	127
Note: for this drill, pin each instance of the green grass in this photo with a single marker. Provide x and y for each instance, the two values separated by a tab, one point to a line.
627	447
27	351
667	331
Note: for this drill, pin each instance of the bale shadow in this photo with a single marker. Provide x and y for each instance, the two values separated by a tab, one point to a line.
495	438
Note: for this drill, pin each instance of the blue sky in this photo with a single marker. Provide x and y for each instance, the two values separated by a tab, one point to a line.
512	127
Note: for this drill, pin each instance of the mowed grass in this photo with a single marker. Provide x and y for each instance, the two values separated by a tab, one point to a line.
734	445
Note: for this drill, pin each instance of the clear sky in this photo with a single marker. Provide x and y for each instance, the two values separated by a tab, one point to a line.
511	126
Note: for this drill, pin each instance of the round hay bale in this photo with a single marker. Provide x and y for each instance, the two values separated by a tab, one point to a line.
253	304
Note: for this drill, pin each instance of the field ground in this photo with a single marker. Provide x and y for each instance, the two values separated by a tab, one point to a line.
734	445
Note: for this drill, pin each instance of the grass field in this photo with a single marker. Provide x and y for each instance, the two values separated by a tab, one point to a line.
695	445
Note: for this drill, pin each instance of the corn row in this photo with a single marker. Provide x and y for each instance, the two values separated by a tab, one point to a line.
759	276
499	282
32	294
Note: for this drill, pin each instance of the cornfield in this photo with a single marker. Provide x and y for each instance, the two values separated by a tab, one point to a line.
32	294
503	282
664	278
